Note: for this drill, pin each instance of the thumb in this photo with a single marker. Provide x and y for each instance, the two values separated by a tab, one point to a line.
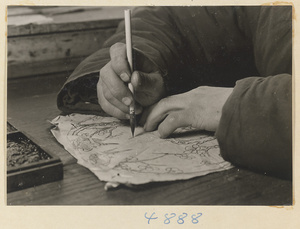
147	81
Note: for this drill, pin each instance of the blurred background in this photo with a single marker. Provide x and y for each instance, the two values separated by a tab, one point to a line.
43	40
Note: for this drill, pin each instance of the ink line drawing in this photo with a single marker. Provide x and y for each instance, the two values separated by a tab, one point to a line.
104	145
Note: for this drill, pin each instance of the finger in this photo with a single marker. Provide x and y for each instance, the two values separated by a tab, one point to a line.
137	107
121	105
118	90
160	111
145	114
148	87
173	121
124	105
107	106
119	62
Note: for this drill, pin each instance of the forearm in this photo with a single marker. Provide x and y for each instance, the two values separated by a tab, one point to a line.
155	43
255	130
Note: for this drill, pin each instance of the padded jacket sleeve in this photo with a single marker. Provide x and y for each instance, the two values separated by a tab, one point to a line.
191	46
255	130
154	36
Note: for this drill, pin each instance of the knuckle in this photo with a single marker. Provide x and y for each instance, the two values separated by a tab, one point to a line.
166	103
107	94
119	45
119	65
113	47
173	118
163	102
115	92
104	71
116	47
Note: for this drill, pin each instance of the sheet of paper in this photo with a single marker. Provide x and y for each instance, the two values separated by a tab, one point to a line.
104	145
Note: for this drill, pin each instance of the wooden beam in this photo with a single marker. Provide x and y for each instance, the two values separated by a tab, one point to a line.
50	53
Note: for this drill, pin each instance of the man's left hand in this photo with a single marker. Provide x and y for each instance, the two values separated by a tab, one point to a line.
200	108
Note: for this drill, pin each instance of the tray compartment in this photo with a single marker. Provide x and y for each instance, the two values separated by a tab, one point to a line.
28	164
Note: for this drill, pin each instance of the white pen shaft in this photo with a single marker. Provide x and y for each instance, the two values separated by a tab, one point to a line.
128	37
129	51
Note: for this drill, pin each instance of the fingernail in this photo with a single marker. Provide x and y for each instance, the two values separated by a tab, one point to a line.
124	76
126	101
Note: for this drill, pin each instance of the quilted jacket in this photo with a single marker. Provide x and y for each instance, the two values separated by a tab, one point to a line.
248	48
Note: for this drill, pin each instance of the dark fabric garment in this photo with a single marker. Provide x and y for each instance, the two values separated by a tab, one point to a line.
213	46
256	126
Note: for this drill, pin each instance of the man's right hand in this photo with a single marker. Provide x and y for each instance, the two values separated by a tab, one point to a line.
114	96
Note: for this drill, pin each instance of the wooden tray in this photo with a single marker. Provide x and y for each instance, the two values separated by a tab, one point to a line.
48	169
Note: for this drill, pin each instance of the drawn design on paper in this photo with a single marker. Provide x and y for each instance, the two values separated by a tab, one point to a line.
104	145
201	146
91	136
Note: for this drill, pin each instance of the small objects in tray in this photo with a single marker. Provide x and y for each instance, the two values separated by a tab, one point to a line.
28	164
23	152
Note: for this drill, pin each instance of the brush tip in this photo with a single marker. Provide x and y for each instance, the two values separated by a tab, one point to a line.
132	124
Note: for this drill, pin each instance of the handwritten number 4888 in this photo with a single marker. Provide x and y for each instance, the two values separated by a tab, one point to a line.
181	218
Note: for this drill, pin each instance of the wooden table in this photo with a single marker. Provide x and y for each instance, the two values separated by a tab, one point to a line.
31	103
